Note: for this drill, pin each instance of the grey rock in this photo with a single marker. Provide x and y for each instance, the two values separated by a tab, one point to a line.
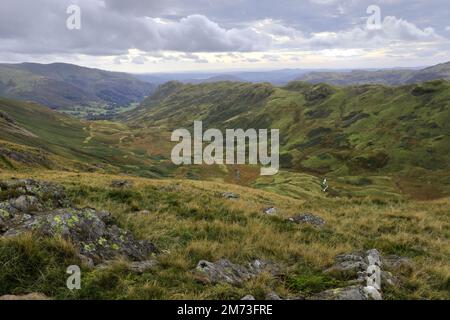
348	266
308	218
270	211
346	293
27	203
230	195
29	296
143	266
272	296
398	264
372	293
91	231
226	271
121	184
248	297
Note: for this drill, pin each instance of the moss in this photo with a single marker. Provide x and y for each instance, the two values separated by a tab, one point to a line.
89	247
102	241
4	214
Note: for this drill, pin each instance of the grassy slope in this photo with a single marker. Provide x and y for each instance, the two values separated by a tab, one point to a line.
71	143
190	221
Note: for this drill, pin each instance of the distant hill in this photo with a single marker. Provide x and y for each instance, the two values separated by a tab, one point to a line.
386	77
324	129
70	87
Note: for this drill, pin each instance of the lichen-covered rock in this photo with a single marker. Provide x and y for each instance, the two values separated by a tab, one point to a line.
48	194
248	297
307	218
43	208
348	266
93	234
226	271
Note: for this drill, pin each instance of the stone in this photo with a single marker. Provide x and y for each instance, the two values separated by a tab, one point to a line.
29	296
230	195
142	266
346	293
121	184
43	207
270	211
348	266
372	293
248	297
272	296
226	271
27	203
308	218
397	263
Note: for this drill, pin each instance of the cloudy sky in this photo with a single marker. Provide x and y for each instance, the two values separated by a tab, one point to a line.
176	35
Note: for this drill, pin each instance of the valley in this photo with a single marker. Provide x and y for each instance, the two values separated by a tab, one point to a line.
384	151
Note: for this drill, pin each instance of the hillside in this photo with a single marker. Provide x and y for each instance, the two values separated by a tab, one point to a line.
385	77
324	130
78	90
33	136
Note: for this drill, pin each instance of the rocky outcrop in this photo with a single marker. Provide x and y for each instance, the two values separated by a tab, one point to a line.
307	218
367	274
226	271
44	209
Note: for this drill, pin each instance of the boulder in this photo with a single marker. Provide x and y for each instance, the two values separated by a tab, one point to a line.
29	296
346	293
230	195
348	266
226	271
308	219
93	234
27	203
248	297
272	296
121	184
44	195
143	266
43	208
270	211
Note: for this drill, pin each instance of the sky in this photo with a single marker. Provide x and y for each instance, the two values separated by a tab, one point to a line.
144	36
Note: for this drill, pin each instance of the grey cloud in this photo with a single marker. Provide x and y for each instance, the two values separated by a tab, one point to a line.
112	27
